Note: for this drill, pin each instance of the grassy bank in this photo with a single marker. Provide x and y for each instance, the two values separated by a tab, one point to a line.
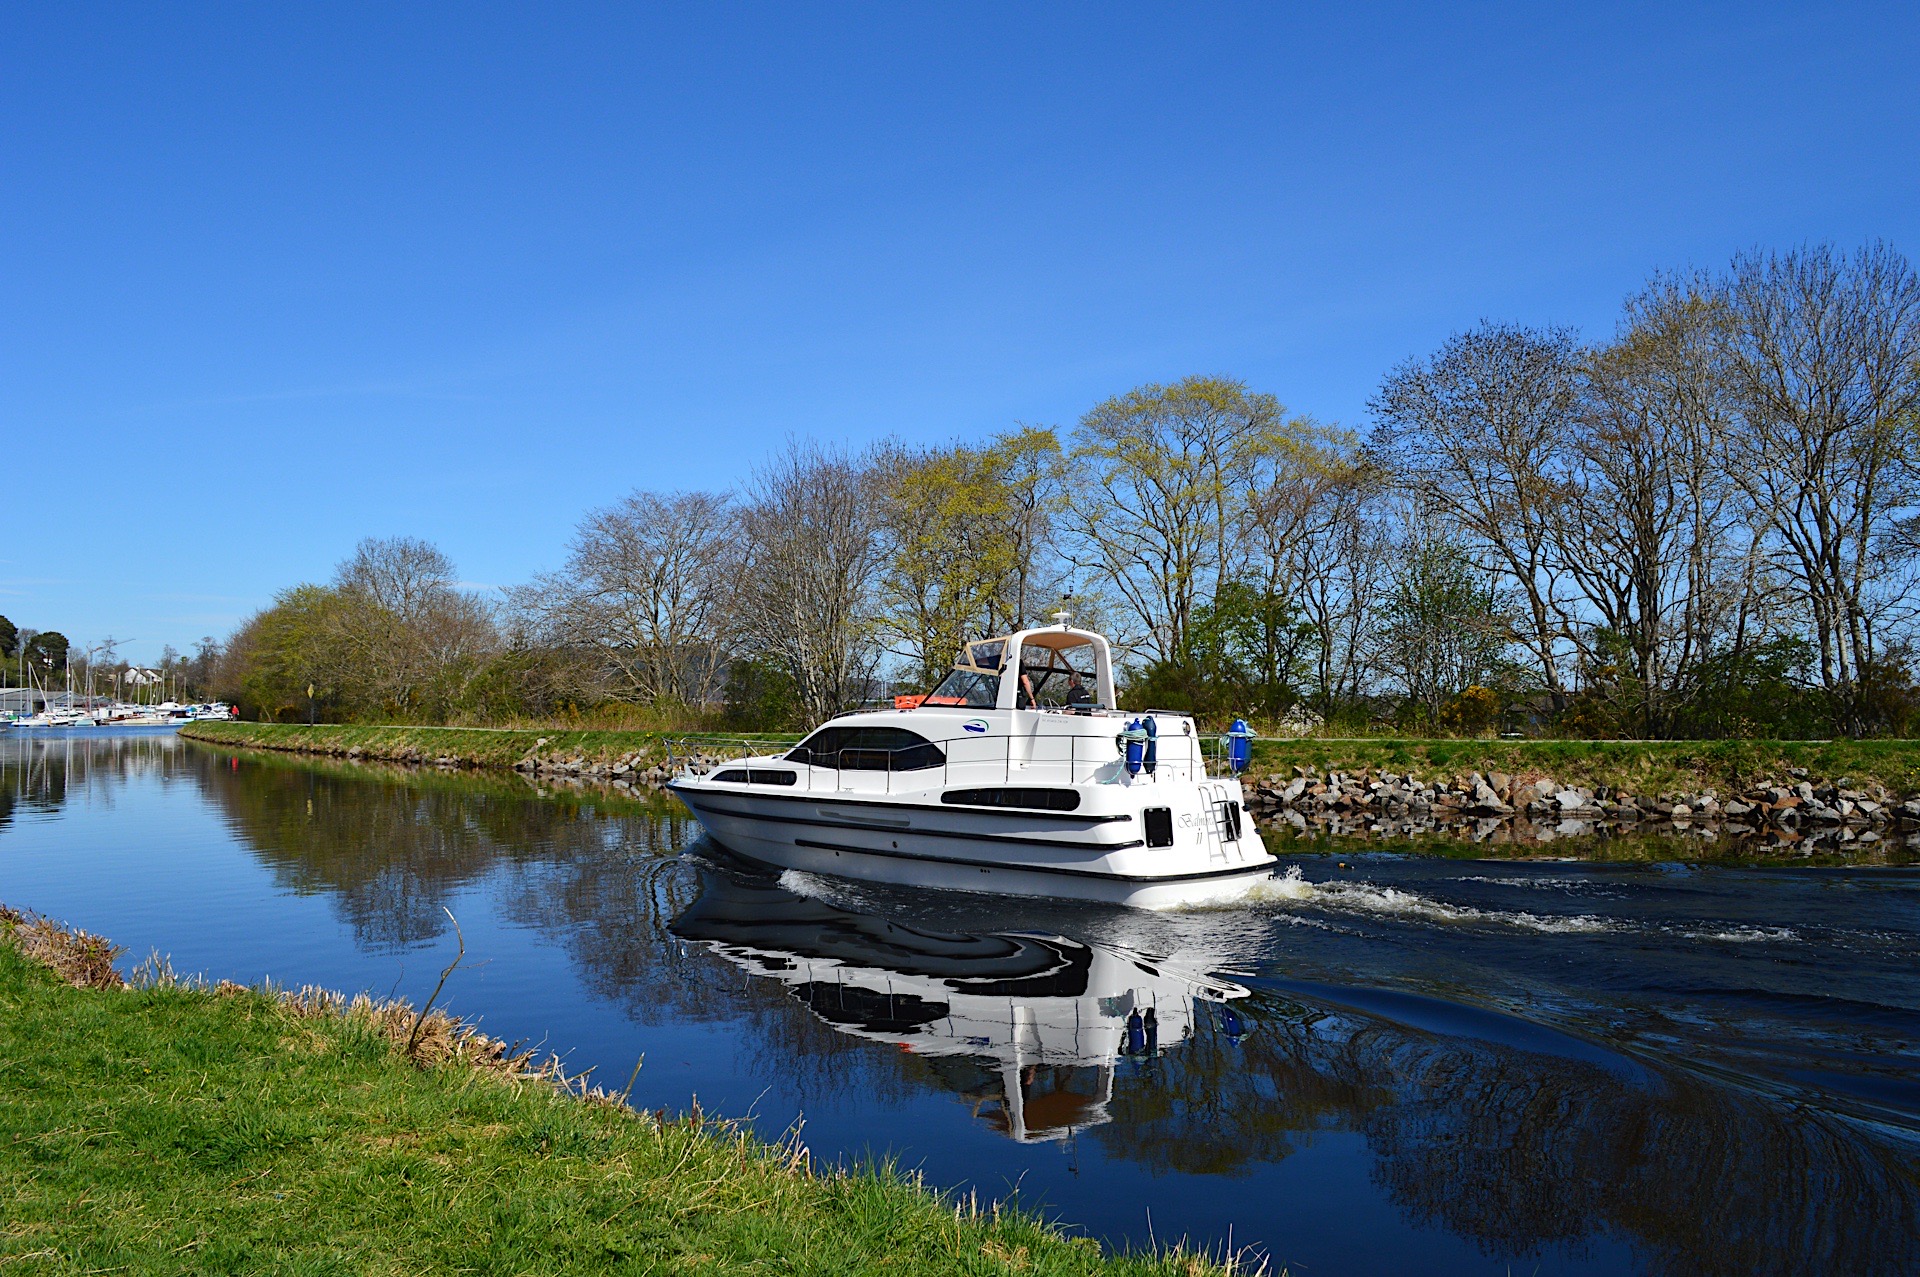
172	1129
466	746
1640	766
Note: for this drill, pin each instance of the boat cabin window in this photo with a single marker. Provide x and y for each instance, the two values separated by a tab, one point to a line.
1057	678
868	749
969	689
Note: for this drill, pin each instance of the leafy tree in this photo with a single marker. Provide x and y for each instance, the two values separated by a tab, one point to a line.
405	638
1156	481
9	638
280	652
945	558
761	697
1444	627
47	651
1763	691
1246	653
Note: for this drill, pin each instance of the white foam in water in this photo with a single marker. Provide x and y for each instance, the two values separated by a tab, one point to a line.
1745	935
1289	886
1367	897
1537	884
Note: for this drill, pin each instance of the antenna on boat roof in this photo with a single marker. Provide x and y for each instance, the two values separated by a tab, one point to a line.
1063	616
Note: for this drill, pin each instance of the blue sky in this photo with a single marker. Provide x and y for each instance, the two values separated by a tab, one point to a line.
277	277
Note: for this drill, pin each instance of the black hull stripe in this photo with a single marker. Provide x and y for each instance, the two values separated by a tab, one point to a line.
822	823
1145	879
681	789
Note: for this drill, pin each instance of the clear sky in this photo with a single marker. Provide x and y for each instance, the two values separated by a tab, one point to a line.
277	277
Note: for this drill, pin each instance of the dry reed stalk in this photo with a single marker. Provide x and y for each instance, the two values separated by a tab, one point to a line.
81	958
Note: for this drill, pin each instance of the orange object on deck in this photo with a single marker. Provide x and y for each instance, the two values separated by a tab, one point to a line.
908	702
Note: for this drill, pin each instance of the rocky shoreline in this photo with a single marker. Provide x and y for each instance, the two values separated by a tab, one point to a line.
637	770
1800	807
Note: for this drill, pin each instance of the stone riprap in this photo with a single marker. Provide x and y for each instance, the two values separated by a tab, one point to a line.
1795	807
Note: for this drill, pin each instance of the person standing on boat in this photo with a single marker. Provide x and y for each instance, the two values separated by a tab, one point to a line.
1078	693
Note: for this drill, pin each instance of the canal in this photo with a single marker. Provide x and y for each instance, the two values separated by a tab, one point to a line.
1387	1062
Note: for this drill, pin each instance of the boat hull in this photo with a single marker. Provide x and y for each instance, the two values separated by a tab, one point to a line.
1095	857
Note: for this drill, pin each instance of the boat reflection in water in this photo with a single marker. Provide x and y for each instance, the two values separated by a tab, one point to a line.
1030	1026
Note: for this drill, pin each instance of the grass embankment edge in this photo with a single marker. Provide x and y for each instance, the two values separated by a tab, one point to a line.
495	747
170	1127
1641	766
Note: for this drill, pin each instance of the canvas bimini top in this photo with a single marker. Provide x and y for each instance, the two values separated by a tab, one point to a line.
1056	668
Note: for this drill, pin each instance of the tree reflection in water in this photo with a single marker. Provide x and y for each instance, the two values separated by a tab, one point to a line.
1522	1152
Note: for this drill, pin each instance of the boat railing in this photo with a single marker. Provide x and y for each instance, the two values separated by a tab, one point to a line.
687	754
963	762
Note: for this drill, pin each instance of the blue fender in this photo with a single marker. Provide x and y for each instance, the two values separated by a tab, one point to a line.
1136	746
1239	746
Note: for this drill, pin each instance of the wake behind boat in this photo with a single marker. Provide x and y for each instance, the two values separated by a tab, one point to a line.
1018	774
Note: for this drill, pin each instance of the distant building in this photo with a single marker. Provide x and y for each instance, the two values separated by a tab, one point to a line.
22	700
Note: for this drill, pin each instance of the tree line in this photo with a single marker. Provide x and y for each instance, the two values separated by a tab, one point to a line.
1703	525
49	662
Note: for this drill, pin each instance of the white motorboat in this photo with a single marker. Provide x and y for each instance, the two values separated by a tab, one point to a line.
122	714
64	717
1017	774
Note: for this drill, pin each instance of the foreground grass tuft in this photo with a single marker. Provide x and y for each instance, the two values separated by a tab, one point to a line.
169	1128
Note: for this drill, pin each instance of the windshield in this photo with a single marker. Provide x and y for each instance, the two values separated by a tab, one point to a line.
986	655
1057	678
969	689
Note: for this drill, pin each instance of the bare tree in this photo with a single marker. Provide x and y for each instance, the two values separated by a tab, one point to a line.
806	589
404	635
1650	530
1308	540
645	594
1825	352
1478	434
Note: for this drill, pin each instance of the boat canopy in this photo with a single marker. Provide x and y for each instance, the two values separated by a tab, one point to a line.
1055	668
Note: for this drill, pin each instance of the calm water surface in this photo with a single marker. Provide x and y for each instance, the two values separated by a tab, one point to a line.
1386	1063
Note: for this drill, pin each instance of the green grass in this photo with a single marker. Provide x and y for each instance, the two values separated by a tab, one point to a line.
183	1130
472	746
1638	766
